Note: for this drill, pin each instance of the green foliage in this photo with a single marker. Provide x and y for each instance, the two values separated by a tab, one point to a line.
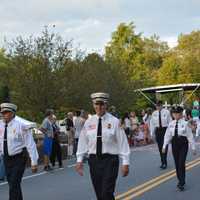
48	72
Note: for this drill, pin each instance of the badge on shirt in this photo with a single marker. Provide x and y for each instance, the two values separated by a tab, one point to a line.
92	126
109	126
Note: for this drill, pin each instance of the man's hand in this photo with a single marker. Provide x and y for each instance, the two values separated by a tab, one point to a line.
163	150
34	168
79	168
125	170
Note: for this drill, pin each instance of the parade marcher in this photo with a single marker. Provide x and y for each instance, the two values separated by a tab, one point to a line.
159	122
15	140
70	133
104	140
2	168
56	148
47	130
179	133
113	111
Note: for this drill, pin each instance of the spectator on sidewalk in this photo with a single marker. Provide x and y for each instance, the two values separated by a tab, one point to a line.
70	133
78	125
47	130
56	148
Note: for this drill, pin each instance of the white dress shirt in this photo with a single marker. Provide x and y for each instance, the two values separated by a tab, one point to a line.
165	119
114	140
183	130
19	136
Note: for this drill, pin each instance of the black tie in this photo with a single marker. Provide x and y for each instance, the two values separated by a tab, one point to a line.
176	130
5	145
160	121
99	139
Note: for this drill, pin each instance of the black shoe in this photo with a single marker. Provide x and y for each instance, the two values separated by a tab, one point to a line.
163	166
45	168
2	179
49	168
181	187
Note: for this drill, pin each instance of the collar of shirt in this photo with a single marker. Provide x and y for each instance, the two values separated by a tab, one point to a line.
104	117
10	122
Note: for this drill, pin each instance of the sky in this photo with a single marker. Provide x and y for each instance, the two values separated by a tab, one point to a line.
90	23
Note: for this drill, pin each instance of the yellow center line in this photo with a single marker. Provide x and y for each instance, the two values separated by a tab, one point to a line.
139	193
150	182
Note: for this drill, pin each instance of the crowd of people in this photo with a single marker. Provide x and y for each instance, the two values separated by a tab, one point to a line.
136	128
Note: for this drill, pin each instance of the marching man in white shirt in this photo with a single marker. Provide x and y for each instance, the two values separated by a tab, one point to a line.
179	133
15	139
158	124
104	140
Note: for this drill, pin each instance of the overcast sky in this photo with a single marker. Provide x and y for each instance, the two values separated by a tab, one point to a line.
91	22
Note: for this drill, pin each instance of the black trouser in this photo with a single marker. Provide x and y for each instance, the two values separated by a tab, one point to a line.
75	146
104	172
56	152
179	150
160	134
14	167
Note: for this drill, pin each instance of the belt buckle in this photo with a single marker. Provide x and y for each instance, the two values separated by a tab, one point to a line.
99	157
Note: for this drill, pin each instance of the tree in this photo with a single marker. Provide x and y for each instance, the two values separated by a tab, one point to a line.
35	85
5	74
137	58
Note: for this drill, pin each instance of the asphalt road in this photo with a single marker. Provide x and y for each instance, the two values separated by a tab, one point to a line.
145	182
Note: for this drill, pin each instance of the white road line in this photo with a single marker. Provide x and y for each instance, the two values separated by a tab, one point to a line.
34	175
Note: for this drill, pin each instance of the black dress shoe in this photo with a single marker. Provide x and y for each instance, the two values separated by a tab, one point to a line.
163	166
2	179
181	187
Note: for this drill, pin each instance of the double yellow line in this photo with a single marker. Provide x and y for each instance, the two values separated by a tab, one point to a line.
141	189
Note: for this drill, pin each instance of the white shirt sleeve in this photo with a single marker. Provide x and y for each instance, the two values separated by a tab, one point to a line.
169	118
31	146
167	138
82	145
152	127
190	137
124	150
